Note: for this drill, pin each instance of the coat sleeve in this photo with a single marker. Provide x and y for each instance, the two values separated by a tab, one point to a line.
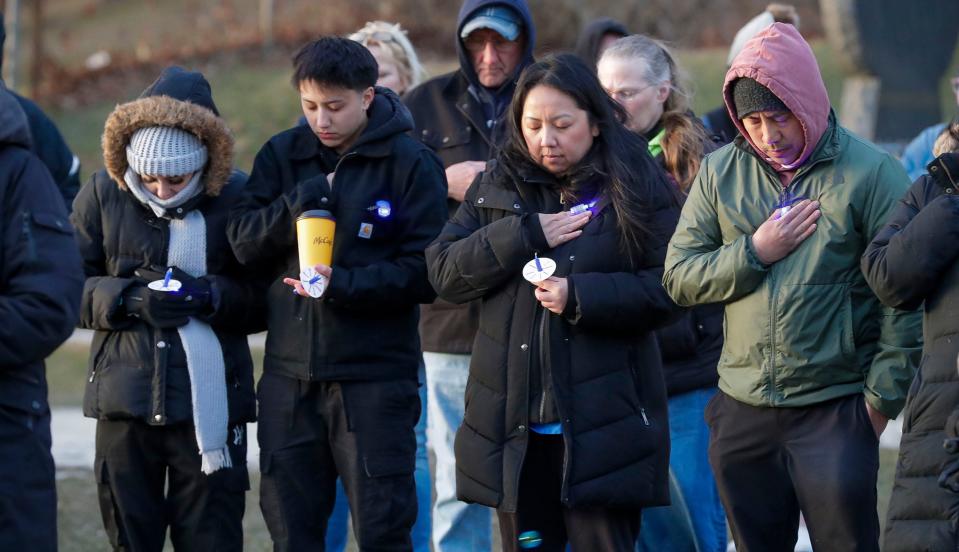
699	267
262	222
40	272
900	338
101	303
400	281
894	265
469	258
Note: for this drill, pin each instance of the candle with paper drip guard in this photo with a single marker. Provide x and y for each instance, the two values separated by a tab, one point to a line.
167	284
539	269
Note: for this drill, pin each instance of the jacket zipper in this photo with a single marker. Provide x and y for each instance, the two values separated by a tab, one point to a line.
543	376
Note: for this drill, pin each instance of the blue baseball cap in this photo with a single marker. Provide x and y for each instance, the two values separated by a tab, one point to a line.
502	19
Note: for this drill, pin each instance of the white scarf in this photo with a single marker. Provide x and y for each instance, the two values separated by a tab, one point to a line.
157	205
204	355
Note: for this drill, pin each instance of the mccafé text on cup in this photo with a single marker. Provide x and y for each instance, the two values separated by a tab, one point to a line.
314	237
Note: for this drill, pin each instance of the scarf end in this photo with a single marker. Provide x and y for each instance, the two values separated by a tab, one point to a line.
214	460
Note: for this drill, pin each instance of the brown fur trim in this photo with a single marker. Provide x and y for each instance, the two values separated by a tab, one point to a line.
165	111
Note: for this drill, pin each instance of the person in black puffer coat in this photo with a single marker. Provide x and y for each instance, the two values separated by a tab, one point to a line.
914	262
170	380
40	283
566	431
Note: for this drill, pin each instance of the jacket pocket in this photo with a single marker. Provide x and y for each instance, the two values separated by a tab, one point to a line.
438	139
814	336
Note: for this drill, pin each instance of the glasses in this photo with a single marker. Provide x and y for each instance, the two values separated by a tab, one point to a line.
477	43
626	94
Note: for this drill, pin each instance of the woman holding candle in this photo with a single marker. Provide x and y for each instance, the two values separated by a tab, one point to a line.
171	378
565	432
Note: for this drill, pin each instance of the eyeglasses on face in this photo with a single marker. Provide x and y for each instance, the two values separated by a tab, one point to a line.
477	42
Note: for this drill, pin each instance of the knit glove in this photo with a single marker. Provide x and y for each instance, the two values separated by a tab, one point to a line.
949	477
158	308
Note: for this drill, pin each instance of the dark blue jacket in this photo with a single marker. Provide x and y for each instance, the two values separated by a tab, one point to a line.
40	272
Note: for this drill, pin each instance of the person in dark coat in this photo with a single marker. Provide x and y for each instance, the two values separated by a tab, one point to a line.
566	431
338	396
598	35
47	143
40	282
642	75
460	117
913	262
170	379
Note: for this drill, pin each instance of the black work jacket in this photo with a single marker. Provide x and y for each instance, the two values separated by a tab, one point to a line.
602	357
365	325
137	371
914	262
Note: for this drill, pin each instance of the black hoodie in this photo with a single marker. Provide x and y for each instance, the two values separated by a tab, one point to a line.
364	327
40	272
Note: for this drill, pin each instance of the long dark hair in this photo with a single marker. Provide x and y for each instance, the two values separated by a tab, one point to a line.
630	174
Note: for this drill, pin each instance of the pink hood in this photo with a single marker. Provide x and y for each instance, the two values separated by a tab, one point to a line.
779	59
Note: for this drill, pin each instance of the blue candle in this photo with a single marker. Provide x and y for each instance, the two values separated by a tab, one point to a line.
166	279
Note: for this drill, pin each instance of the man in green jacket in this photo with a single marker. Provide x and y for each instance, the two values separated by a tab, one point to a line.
812	366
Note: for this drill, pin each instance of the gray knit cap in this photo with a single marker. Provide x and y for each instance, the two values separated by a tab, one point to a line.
749	96
165	151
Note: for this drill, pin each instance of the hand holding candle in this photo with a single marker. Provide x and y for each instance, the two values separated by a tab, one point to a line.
553	293
323	271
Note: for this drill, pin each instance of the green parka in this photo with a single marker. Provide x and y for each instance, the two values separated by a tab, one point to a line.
807	328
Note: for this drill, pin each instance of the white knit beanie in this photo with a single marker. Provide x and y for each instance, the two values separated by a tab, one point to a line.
165	151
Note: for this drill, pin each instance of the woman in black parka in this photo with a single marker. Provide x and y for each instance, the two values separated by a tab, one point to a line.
914	262
170	380
565	431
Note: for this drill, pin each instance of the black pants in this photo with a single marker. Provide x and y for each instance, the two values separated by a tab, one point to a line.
148	478
28	495
541	514
772	463
361	431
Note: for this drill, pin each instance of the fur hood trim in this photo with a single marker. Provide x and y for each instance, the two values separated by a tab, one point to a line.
165	111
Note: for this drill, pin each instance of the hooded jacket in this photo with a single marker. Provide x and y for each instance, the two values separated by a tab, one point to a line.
913	262
137	371
600	357
807	328
40	272
379	277
450	117
591	37
47	143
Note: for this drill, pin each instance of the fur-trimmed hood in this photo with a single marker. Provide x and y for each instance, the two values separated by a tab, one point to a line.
167	111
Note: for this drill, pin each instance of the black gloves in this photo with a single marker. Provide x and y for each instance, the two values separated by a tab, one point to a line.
163	309
949	477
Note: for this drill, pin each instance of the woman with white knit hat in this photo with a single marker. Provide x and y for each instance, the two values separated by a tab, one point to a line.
170	379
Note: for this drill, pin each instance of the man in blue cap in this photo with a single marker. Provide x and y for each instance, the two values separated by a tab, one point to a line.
460	116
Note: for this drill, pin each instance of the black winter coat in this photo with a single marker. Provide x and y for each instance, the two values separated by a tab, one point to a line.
913	262
365	325
602	356
451	120
40	272
137	371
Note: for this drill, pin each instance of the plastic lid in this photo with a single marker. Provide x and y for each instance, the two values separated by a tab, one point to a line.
316	213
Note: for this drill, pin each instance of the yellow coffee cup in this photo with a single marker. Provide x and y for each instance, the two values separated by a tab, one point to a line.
314	238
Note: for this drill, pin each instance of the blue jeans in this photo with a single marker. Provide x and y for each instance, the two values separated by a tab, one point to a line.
698	502
457	526
337	525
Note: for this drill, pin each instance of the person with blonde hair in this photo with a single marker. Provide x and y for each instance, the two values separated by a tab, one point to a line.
399	66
